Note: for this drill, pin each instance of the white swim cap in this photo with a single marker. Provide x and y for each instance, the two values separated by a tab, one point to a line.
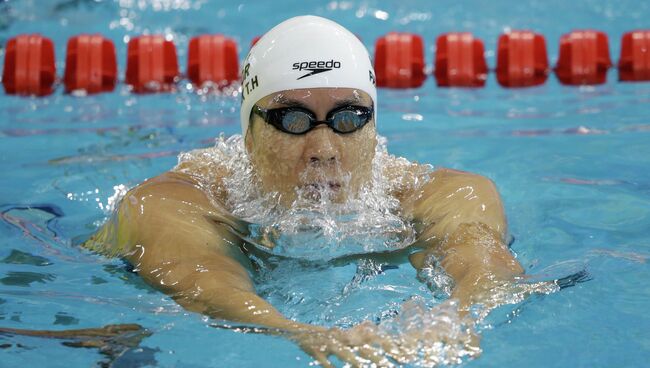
305	52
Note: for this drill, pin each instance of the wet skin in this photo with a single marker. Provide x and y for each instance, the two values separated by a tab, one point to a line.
285	162
180	238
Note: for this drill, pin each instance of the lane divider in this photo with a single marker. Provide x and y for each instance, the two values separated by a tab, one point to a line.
212	59
521	59
152	65
399	61
29	66
584	58
634	64
459	61
90	64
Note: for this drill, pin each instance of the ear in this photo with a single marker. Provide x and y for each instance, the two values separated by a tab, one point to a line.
248	141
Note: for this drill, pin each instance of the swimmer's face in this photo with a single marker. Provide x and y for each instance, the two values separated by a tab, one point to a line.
319	161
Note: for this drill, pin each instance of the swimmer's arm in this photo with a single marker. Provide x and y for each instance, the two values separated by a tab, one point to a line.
168	236
461	222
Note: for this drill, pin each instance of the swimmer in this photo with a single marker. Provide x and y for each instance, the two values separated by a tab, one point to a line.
308	117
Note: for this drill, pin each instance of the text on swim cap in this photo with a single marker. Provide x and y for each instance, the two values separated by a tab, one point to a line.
316	67
317	64
248	85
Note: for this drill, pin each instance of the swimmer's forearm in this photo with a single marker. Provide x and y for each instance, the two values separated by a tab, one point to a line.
462	224
237	306
216	286
478	260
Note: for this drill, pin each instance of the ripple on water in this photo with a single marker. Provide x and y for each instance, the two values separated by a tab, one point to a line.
614	212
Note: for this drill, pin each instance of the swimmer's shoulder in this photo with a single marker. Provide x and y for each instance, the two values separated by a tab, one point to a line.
456	178
405	177
410	181
206	167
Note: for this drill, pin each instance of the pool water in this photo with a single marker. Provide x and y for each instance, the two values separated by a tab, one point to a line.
571	164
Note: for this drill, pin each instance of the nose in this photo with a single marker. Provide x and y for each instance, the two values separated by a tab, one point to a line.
320	148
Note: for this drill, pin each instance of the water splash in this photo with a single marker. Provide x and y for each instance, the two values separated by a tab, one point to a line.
429	337
435	278
425	331
314	226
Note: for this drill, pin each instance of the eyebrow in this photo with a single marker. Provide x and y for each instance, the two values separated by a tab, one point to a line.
289	102
346	102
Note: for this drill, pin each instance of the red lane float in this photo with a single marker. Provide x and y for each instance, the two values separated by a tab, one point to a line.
254	40
90	64
634	64
212	59
399	60
460	61
29	65
151	65
521	59
584	58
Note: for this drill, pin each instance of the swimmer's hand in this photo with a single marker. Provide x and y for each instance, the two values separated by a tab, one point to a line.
359	346
438	336
444	340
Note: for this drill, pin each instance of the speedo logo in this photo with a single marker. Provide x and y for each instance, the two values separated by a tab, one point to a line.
315	67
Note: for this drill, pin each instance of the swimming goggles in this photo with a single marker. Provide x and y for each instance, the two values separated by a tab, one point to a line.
296	120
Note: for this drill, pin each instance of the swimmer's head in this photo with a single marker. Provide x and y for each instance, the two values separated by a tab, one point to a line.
318	68
304	52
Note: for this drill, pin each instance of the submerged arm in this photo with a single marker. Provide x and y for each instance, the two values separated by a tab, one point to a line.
461	222
164	229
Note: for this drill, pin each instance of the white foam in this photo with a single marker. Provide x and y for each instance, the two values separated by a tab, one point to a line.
313	228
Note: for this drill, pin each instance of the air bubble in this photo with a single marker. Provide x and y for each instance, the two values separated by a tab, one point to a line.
314	227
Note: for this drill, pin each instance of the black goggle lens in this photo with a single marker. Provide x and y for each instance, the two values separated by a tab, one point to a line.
347	121
295	120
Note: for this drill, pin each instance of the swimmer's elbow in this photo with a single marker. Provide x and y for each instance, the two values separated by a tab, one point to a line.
478	249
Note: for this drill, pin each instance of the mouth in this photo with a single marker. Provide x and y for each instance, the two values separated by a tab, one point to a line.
317	187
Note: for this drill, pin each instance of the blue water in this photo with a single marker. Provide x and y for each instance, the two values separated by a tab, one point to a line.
571	165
